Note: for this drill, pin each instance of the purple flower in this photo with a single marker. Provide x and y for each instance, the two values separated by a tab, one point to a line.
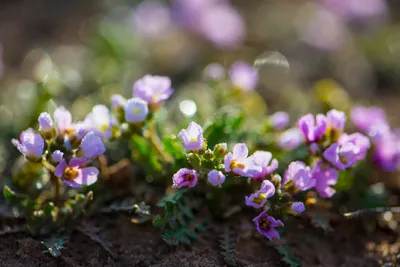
364	118
324	176
100	121
222	25
359	140
259	198
214	71
192	137
30	144
136	110
279	120
239	163
152	19
300	174
57	156
336	120
290	139
80	129
342	156
153	89
216	178
266	164
184	178
297	207
92	145
73	175
312	129
63	120
243	76
117	101
387	153
266	225
356	9
45	122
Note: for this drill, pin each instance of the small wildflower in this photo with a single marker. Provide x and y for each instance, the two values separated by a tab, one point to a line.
73	175
192	137
342	156
63	119
259	198
359	140
279	120
290	139
216	178
387	154
300	174
363	117
184	178
92	145
264	160
324	176
136	110
312	129
214	71
297	207
100	121
153	89
243	76
57	156
336	120
266	225
30	144
118	101
238	162
45	122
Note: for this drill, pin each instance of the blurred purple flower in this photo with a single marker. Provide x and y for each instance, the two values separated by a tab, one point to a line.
259	198
279	120
45	122
214	71
266	225
184	178
63	119
297	207
57	156
100	120
324	176
312	129
243	76
354	9
290	139
322	29
264	161
30	144
153	89
372	121
336	120
387	153
117	101
73	175
300	174
152	19
136	110
216	178
359	140
342	156
92	145
192	137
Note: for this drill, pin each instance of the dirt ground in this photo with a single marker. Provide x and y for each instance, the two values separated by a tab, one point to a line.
128	244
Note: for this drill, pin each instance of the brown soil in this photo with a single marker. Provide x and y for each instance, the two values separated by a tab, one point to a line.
129	244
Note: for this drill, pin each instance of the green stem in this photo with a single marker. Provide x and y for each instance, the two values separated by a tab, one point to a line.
55	183
156	143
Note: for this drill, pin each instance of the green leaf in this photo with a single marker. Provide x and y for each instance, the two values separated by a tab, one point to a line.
288	257
54	245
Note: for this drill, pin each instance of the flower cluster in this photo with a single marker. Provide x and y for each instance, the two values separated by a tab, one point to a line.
331	150
219	165
66	148
386	141
69	146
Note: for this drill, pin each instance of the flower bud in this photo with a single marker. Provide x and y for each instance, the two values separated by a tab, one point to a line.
208	155
276	180
194	159
220	150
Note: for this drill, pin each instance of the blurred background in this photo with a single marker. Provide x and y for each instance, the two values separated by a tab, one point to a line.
311	54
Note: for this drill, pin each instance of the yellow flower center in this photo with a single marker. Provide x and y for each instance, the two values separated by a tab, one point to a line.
136	111
264	224
236	165
259	199
70	173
